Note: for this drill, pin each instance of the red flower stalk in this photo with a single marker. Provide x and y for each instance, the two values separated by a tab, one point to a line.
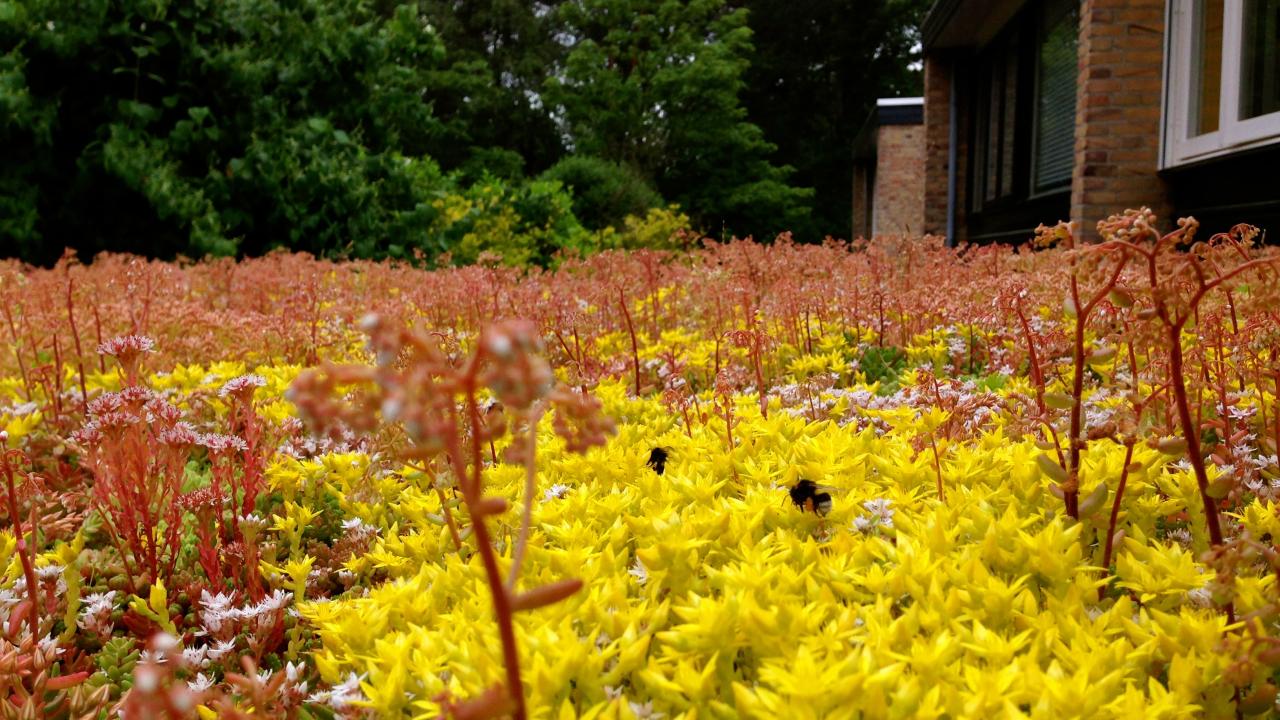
416	384
1177	283
10	463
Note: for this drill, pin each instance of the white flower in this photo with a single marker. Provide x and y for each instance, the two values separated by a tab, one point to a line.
639	571
357	526
221	648
341	695
1200	597
24	409
243	383
94	603
1241	412
201	683
881	515
275	601
126	344
194	657
49	646
555	492
219	601
216	610
645	710
151	657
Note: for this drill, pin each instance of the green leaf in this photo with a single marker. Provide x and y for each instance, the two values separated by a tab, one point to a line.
1051	468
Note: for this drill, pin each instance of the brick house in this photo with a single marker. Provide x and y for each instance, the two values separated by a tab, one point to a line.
888	170
1040	110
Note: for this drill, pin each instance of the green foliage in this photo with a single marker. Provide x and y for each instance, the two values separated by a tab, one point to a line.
992	382
115	662
660	228
522	224
358	128
816	71
655	84
604	192
486	94
216	127
883	365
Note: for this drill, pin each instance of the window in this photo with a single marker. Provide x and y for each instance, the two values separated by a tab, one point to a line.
1023	110
996	122
1223	89
1260	59
1056	96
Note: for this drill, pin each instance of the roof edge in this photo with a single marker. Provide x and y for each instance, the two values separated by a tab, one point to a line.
934	22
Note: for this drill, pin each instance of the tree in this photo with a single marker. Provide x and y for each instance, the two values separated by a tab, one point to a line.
488	92
604	193
818	67
654	84
215	126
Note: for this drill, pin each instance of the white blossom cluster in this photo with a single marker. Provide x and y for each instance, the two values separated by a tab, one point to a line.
879	515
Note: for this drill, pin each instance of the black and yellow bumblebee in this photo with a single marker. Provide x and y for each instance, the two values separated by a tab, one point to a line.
810	496
658	459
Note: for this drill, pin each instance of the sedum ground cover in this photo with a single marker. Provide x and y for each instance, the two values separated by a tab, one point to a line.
296	488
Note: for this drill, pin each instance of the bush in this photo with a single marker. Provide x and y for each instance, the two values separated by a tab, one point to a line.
659	229
604	192
524	224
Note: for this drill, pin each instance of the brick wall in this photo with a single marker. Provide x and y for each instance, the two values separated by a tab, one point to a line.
938	68
1118	111
937	132
899	197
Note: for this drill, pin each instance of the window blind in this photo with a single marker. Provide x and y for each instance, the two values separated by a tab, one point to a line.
1056	101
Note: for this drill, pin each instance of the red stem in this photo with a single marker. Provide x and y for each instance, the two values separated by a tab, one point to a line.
33	590
1189	433
75	334
1115	514
471	487
635	351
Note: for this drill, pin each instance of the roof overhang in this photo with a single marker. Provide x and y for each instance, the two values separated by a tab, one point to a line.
888	111
956	24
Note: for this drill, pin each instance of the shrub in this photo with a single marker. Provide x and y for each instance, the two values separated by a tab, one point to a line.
604	193
525	224
658	229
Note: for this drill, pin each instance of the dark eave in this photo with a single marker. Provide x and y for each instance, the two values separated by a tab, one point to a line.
956	24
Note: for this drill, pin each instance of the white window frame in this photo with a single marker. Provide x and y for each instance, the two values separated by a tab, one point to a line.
1233	134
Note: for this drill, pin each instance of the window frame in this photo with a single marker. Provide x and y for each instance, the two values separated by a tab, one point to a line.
991	136
1035	190
1233	134
1020	39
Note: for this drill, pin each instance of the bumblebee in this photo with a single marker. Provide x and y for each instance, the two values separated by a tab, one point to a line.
809	495
657	460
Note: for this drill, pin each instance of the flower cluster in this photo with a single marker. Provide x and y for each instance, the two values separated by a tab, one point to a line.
1052	477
